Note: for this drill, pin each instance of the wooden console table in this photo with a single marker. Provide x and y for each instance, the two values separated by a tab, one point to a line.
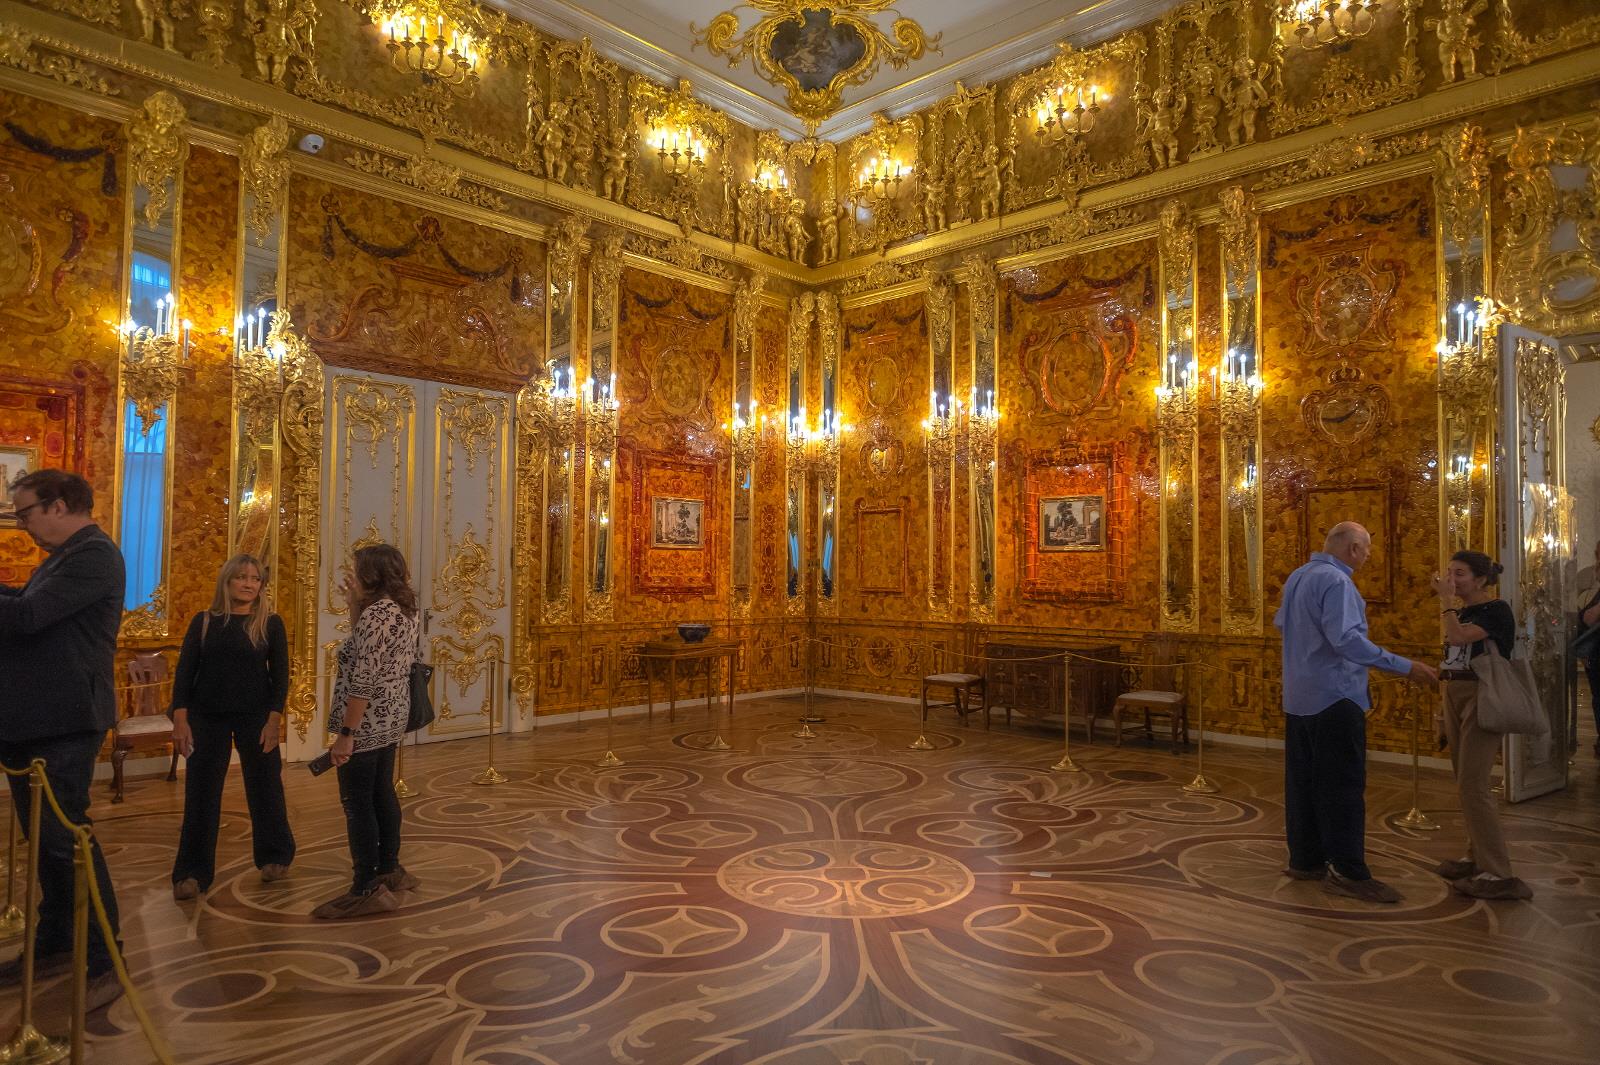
1034	688
664	656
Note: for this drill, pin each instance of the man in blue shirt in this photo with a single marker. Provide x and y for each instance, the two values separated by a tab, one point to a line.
1326	655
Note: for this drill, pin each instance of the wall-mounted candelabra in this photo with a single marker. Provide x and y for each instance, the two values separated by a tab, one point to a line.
747	431
1067	112
153	360
1468	371
424	39
941	432
814	446
1315	23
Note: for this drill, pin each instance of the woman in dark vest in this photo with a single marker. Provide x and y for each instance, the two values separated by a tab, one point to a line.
1481	619
232	679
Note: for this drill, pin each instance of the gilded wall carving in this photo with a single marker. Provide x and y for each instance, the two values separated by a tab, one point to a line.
382	289
1547	265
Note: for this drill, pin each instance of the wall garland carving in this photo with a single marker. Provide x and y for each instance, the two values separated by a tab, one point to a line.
264	171
1513	48
429	175
17	50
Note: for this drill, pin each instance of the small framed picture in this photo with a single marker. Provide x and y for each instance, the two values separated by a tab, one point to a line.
678	524
15	460
1072	523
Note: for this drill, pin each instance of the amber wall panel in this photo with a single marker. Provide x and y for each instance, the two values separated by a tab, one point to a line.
1077	364
379	285
61	236
675	382
1349	421
884	381
204	421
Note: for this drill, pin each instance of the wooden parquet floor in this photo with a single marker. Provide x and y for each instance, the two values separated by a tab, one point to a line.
845	900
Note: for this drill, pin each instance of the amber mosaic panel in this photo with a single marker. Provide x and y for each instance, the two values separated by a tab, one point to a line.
382	287
884	384
1348	333
1078	365
61	227
204	421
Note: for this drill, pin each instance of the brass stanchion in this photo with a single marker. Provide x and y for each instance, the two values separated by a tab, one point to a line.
11	919
1200	785
921	742
1066	765
1414	817
82	870
609	760
402	790
717	742
28	1045
491	775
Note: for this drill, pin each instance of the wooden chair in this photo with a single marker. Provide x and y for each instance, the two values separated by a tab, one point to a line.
1157	697
144	722
968	694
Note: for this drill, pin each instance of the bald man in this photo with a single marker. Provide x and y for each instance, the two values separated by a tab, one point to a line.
1326	655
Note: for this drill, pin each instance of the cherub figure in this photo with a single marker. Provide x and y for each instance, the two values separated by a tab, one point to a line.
747	214
989	183
282	31
1160	130
157	15
216	18
1457	43
932	187
1208	90
794	228
961	174
828	233
1246	96
265	169
614	172
552	141
580	145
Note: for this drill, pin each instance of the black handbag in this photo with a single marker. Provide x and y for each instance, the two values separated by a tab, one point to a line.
421	715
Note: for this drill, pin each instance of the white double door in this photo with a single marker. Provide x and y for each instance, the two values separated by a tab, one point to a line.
425	466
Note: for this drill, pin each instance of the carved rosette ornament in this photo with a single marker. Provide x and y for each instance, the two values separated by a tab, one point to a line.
158	148
264	169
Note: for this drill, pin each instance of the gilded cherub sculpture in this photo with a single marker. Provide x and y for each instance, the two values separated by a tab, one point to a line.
1457	42
1246	96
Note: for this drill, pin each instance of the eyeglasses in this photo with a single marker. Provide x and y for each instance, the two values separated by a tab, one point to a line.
21	513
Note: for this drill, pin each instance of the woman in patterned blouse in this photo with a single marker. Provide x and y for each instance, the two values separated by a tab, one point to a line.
371	705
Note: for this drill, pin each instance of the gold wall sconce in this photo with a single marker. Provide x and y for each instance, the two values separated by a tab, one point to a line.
424	39
941	430
1069	111
746	431
1312	24
814	447
153	358
878	183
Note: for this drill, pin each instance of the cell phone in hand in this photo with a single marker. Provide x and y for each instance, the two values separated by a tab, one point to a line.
321	763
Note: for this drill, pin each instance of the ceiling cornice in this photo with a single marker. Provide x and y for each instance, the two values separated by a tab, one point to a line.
565	18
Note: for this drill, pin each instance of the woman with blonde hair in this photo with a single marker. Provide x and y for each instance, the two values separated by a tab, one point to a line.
228	693
371	706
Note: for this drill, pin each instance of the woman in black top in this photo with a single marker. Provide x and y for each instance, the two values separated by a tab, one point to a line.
1481	618
1588	617
232	679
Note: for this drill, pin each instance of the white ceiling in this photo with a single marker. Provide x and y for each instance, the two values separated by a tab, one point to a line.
982	40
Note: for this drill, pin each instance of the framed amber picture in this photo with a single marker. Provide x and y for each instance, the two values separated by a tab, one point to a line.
1072	523
678	524
15	460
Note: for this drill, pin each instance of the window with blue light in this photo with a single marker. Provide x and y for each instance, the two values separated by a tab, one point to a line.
144	503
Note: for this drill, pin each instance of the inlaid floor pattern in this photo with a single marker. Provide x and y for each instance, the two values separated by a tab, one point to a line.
846	900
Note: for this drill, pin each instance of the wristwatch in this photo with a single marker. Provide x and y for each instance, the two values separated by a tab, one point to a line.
345	730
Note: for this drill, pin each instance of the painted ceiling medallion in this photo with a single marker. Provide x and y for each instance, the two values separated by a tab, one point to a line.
814	49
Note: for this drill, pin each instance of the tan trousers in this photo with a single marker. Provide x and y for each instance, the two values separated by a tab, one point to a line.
1472	753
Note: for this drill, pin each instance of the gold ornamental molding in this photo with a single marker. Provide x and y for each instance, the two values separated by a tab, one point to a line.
815	49
157	149
264	169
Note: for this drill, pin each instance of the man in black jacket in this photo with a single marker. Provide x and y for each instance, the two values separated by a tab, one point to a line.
58	643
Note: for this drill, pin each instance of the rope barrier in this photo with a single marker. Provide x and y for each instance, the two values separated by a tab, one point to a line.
26	1039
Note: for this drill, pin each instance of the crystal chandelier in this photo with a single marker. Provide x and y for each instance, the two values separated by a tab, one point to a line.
423	40
1314	23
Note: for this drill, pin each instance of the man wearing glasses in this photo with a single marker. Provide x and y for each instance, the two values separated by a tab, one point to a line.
58	642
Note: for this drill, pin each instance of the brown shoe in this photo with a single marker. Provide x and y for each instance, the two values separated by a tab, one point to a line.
1484	886
102	991
1456	869
351	904
1369	890
273	872
1305	874
185	889
399	880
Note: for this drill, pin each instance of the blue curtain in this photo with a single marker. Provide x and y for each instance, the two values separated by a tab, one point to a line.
144	504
